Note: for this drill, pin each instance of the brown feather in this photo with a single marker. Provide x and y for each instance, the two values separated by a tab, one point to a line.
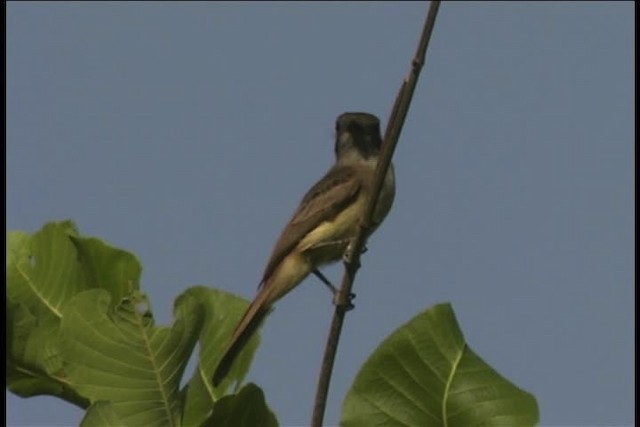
249	324
326	199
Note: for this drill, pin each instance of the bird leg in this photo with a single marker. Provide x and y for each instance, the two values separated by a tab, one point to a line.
333	289
324	280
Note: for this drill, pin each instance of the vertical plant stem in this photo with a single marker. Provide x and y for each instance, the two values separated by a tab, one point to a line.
394	127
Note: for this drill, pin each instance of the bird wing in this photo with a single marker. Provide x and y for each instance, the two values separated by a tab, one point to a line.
323	202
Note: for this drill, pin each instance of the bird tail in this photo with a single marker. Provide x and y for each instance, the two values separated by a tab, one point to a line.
249	324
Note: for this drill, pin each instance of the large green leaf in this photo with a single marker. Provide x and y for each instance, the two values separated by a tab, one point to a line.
78	328
424	374
34	365
115	353
101	414
245	409
224	310
44	272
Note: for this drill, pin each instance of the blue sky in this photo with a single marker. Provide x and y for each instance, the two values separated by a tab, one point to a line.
188	132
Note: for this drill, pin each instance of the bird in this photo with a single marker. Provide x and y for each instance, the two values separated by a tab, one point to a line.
322	226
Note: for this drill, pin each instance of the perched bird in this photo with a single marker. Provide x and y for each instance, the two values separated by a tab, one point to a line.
323	225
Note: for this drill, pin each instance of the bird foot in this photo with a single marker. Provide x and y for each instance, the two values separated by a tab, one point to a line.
348	306
335	291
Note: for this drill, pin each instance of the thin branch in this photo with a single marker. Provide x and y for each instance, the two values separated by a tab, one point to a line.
394	127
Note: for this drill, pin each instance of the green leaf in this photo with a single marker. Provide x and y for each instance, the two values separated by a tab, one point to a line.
46	270
425	374
198	400
101	414
245	409
117	354
107	267
227	310
78	328
34	365
223	312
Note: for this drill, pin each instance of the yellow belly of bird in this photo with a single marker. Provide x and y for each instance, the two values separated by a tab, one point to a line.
327	242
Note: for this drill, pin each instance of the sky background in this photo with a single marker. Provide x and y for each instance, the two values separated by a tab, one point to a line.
187	133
